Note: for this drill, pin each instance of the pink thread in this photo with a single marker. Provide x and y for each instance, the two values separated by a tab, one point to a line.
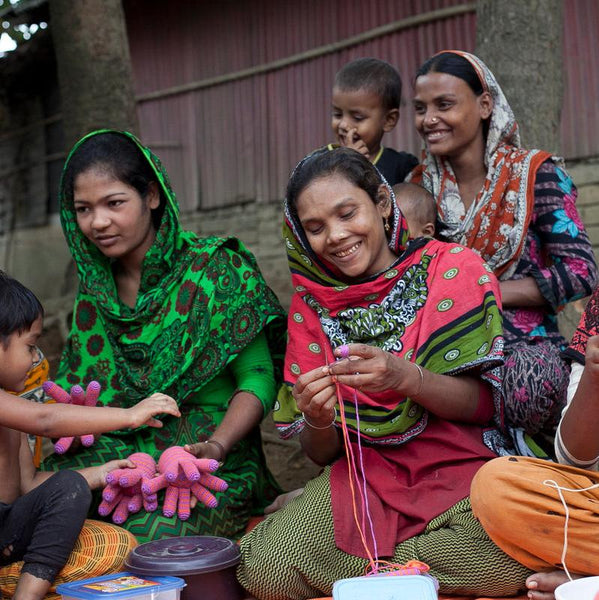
366	503
352	470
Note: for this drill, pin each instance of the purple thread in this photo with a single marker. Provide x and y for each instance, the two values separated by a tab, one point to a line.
344	350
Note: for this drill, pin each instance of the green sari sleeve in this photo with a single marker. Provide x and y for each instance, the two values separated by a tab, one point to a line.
253	371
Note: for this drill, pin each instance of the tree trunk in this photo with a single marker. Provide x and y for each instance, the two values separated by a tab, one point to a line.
94	66
521	42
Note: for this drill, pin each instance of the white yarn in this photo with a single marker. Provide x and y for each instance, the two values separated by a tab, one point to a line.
554	484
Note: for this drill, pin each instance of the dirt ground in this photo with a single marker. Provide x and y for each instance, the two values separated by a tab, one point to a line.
286	459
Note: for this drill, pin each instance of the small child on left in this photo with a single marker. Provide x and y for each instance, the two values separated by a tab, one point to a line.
42	515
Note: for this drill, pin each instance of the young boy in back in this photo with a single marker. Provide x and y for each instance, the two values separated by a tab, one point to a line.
418	207
42	514
366	98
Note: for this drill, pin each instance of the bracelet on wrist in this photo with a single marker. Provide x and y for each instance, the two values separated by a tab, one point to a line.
221	448
421	372
317	427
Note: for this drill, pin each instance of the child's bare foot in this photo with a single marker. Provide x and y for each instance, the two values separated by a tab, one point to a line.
542	585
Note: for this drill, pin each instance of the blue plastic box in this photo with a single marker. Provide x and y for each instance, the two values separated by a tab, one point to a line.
123	585
386	587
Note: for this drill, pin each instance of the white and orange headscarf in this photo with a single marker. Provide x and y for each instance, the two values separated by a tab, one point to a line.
496	224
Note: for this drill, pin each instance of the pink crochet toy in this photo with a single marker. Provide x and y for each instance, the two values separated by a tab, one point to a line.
123	492
182	474
77	396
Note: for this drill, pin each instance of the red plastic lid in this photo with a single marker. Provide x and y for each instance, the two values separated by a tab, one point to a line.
190	555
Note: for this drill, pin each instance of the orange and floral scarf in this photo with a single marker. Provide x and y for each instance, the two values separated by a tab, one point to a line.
496	224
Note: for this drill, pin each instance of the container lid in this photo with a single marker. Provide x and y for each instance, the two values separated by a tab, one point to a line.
118	585
189	555
386	587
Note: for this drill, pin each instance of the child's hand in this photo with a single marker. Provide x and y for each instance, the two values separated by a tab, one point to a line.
144	411
354	141
122	495
96	476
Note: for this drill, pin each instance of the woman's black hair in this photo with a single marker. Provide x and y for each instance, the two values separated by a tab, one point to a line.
19	308
117	156
453	64
345	162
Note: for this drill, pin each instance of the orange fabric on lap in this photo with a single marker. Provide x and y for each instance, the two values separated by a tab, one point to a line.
526	518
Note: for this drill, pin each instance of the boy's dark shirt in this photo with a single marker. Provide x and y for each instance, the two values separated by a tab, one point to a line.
395	165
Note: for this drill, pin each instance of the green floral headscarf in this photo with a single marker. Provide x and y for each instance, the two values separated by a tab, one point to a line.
200	302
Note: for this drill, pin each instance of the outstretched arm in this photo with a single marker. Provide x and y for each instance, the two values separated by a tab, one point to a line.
31	477
57	420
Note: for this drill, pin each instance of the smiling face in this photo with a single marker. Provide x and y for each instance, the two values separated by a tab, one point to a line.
17	355
113	215
359	114
345	227
449	115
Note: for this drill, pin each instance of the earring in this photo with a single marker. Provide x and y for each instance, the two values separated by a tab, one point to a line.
387	226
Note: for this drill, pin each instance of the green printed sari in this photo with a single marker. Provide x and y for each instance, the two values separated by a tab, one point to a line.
201	302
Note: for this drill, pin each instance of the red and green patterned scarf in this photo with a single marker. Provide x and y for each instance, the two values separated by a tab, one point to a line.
417	309
200	302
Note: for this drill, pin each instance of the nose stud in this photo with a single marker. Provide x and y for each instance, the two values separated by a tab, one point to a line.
434	120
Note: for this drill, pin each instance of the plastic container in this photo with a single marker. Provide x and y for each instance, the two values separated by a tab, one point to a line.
586	588
206	563
119	586
386	587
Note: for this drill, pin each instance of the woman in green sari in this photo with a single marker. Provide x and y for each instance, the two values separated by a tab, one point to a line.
159	309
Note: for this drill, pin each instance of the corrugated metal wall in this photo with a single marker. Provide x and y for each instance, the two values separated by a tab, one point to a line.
238	140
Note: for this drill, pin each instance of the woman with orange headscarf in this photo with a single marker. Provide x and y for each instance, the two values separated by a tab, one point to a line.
516	208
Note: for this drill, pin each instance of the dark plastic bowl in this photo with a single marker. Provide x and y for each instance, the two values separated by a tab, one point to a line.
206	563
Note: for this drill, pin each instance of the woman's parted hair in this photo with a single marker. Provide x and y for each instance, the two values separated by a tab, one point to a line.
345	162
453	64
113	154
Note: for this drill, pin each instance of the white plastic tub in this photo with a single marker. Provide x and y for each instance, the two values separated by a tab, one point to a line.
586	588
120	586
